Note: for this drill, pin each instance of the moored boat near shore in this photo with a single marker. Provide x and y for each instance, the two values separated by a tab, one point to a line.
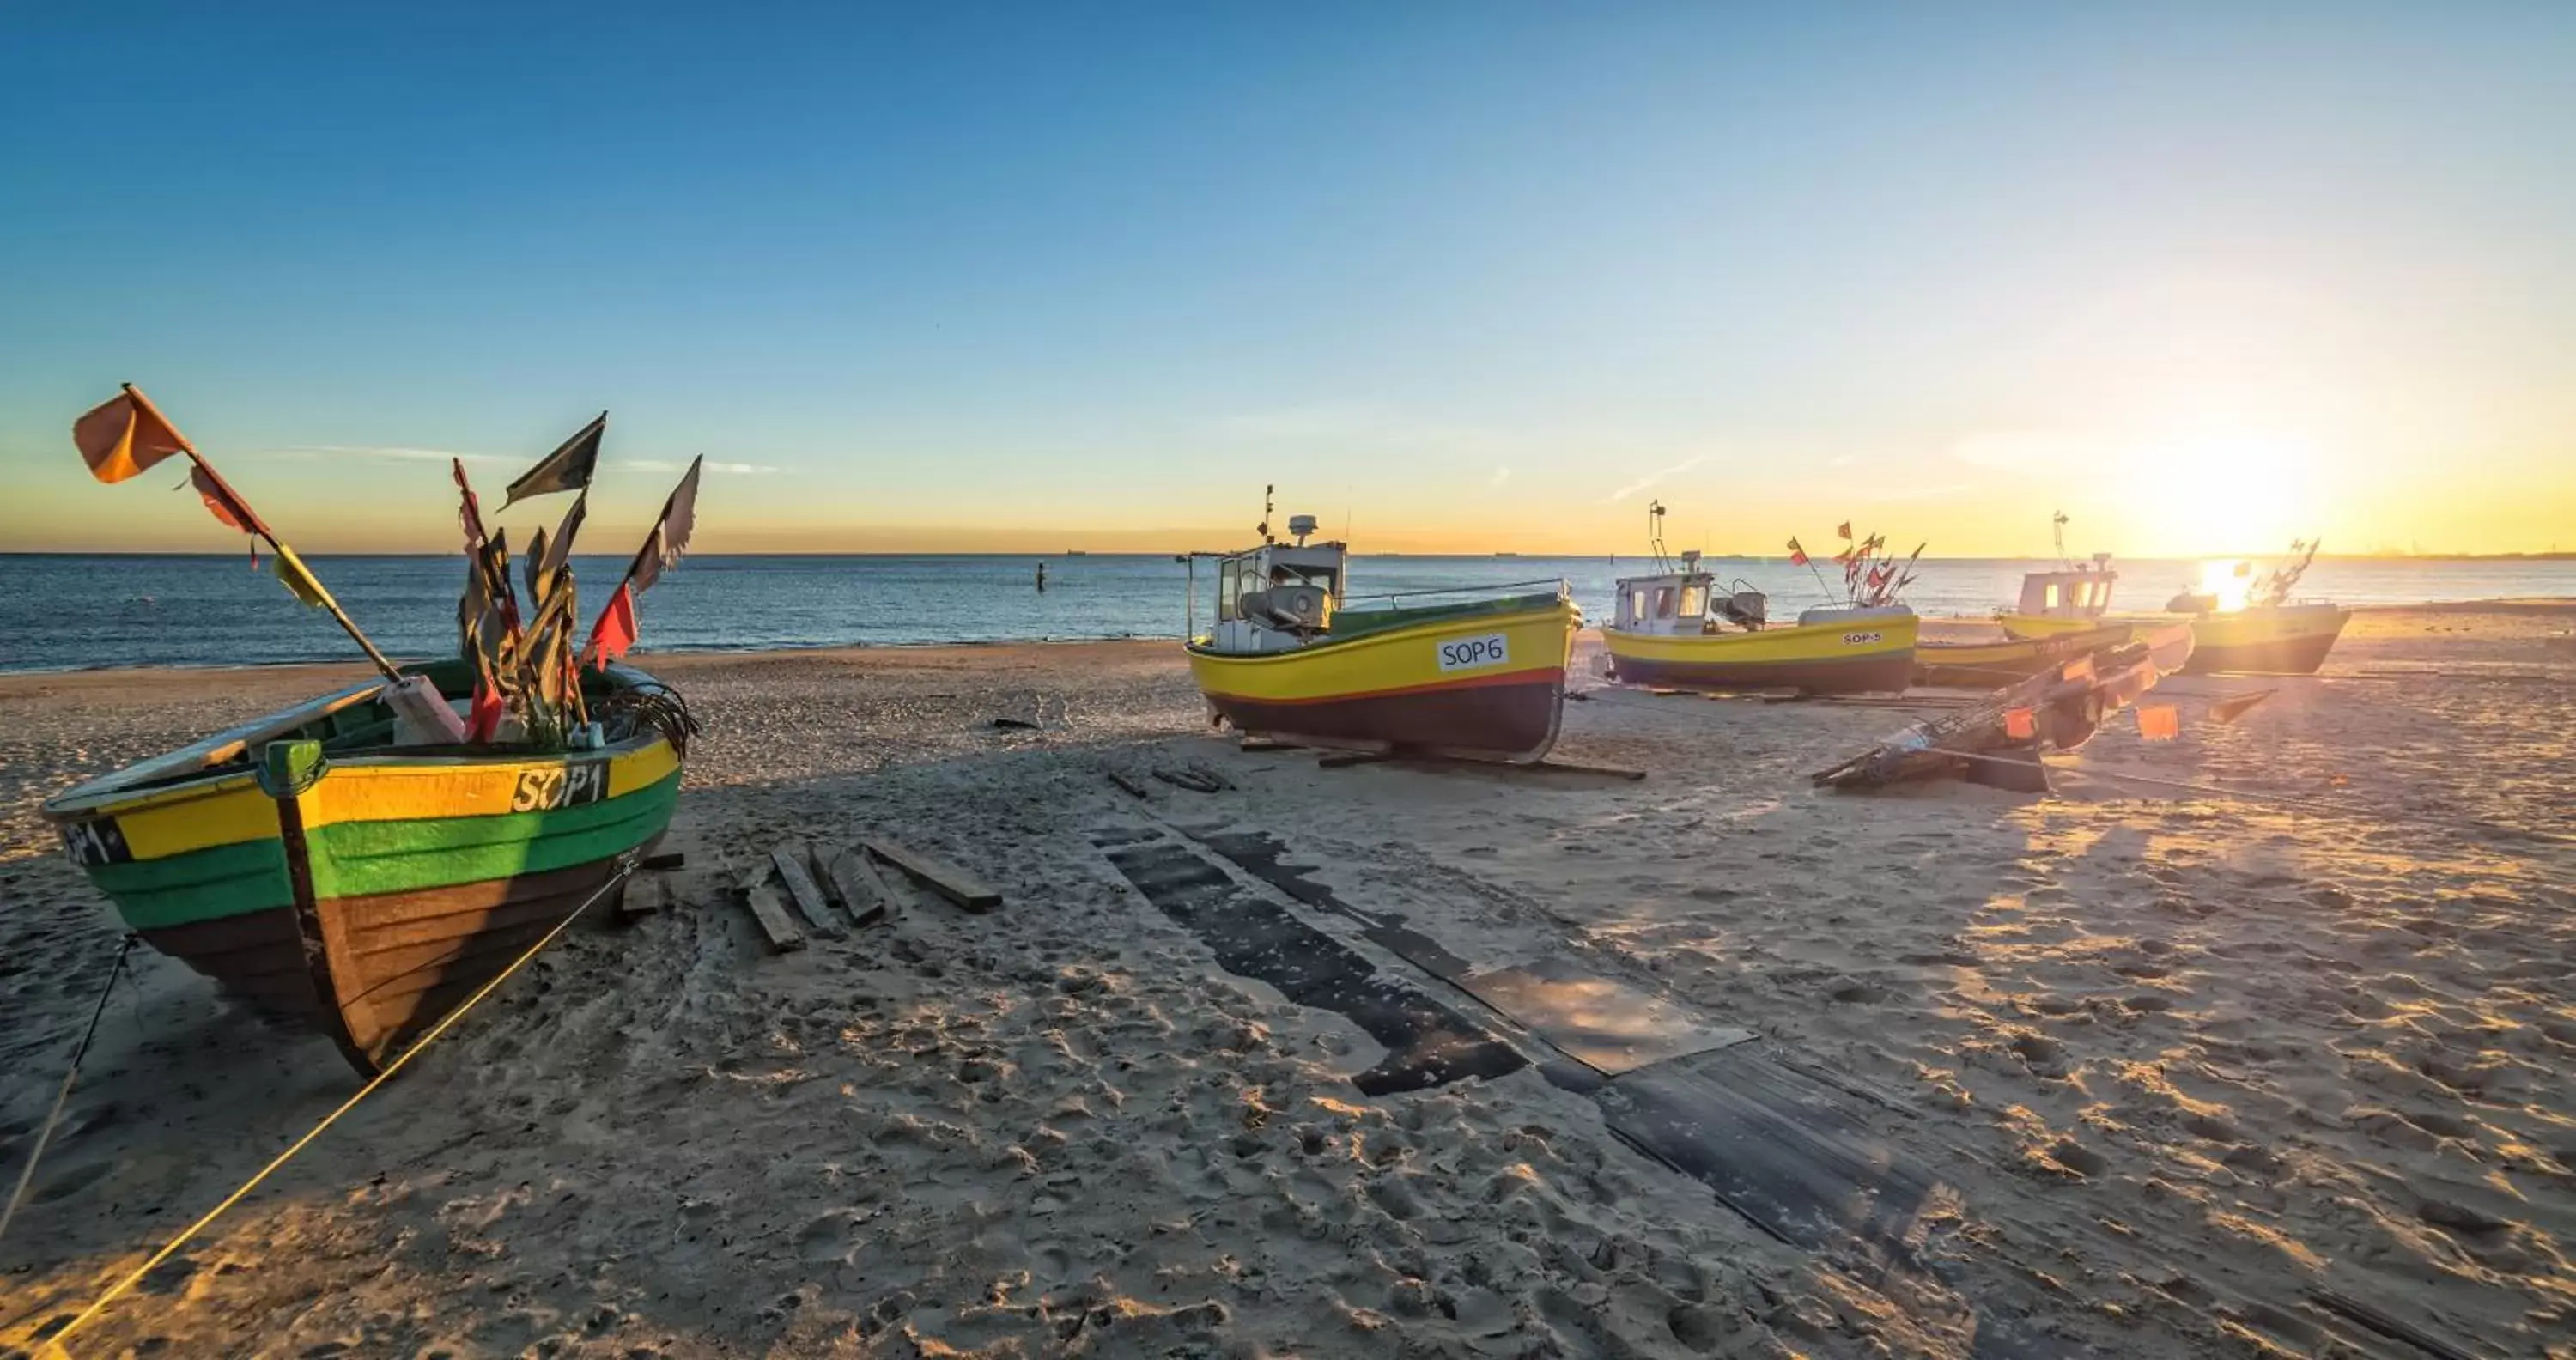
324	874
2253	629
1675	628
1478	679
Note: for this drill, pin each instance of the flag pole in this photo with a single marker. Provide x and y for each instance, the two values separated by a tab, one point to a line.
260	527
1820	576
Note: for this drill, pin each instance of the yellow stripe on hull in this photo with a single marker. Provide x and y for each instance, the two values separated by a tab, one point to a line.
160	823
2282	639
2040	626
1425	656
1869	639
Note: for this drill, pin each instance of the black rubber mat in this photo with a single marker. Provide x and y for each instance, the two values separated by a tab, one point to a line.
1427	1043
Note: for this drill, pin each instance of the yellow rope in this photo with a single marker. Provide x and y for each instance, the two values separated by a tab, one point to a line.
53	1347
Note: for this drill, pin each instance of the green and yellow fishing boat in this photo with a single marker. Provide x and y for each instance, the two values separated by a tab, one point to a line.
325	874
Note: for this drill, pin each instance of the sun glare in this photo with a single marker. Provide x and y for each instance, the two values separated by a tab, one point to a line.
2221	494
2228	580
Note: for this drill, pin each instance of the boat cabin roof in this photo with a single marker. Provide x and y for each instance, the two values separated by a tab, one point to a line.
2080	590
1303	558
1670	602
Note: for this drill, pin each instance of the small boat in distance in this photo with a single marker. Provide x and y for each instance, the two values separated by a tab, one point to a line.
1675	628
2258	632
1290	657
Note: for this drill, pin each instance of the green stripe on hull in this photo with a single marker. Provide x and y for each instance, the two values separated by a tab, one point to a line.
357	859
201	885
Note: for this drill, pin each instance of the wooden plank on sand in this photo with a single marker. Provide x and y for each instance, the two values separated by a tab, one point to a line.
644	895
794	861
938	875
775	923
848	876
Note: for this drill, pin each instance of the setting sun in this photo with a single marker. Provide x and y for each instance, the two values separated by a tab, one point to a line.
2223	494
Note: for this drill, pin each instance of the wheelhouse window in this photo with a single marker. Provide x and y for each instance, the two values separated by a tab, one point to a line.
1663	602
1694	601
2049	600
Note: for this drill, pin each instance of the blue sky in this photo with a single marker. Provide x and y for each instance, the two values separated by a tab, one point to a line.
1466	274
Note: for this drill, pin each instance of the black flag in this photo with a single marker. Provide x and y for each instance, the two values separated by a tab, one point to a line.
566	469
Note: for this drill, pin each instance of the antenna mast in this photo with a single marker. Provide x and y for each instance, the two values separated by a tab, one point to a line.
1264	529
1655	536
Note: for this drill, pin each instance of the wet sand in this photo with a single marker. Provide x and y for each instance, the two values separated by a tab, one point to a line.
2185	1068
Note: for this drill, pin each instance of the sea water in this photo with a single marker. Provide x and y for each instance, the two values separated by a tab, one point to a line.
62	612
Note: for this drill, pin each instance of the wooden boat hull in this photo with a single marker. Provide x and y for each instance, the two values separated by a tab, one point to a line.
1999	739
1993	665
2270	640
1858	656
365	897
1478	686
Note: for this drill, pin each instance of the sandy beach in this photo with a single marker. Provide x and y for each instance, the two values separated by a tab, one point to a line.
2291	1071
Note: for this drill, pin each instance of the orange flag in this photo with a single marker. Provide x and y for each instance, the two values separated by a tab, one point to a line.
123	436
2159	722
2020	724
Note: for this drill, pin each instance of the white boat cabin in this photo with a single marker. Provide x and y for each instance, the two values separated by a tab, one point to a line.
1278	596
1687	603
2080	590
1679	603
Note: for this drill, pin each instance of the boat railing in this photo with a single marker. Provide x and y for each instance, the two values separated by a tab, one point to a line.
1563	590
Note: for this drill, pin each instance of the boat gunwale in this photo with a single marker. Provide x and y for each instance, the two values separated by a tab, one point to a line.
1783	633
113	793
1564	608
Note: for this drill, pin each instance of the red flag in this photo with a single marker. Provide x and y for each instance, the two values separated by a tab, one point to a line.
614	634
483	721
228	507
1797	555
1844	529
2020	724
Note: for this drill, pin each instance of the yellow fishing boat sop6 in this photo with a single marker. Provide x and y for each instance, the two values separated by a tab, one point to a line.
1286	658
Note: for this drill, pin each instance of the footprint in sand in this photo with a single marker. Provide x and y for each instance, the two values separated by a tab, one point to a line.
2460	1218
1851	991
2077	1158
2213	1128
2038	1050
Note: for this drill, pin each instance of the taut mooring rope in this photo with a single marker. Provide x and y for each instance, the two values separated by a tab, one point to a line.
52	1347
27	1174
